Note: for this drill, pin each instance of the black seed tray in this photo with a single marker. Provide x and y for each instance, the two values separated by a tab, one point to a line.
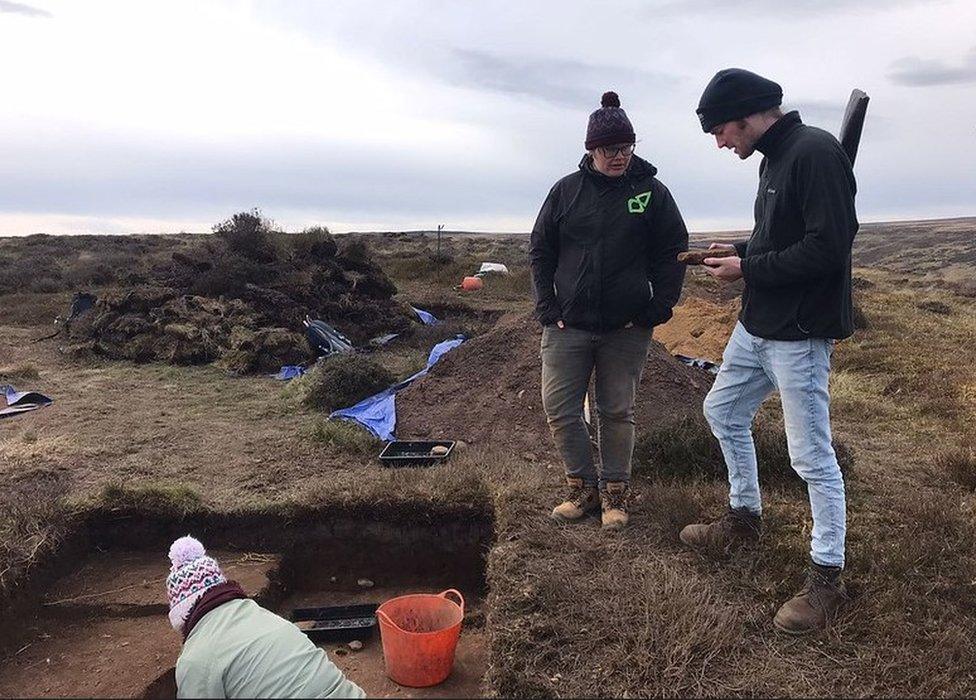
414	453
340	623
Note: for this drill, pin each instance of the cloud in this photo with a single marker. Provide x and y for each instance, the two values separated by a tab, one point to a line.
919	72
784	11
19	9
564	83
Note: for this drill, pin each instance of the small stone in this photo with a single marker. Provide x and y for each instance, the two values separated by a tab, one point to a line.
333	579
521	393
365	583
438	450
355	645
530	457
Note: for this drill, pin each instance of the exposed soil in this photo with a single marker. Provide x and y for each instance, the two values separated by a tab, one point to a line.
102	630
488	391
699	328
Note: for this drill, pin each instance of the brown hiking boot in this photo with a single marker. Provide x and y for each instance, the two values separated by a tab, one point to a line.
737	528
817	603
581	499
613	503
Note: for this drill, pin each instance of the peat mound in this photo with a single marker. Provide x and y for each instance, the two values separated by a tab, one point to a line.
240	297
488	391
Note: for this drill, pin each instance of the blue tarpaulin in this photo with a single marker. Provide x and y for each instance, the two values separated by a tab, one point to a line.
21	401
378	413
289	372
426	317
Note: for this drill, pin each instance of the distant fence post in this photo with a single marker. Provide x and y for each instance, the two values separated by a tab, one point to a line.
440	227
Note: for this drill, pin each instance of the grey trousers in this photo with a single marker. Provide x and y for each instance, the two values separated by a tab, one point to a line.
569	358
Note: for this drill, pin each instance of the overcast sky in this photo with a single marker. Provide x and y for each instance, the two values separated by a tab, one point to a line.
129	116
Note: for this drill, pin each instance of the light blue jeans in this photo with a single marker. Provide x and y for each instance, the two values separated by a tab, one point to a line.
752	368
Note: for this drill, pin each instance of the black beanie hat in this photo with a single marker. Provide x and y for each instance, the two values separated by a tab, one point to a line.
609	124
735	93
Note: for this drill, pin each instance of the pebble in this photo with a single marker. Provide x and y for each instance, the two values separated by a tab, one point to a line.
438	450
365	583
355	645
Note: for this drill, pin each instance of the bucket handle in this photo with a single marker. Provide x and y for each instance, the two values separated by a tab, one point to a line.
388	619
444	594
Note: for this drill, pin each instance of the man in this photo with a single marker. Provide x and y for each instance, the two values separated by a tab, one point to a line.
797	302
603	257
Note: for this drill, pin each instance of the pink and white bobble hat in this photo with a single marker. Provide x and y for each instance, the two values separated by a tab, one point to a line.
191	575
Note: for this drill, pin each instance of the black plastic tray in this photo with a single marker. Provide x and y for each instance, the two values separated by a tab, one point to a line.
339	623
414	453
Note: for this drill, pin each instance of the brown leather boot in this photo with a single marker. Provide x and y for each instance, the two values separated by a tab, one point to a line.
817	603
613	503
737	528
581	499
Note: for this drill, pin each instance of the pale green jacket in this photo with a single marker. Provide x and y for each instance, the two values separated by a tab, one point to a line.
241	650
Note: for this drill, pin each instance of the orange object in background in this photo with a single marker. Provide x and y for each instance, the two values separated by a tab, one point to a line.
420	634
472	284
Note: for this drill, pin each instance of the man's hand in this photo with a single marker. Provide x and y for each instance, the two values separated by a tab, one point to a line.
721	246
726	269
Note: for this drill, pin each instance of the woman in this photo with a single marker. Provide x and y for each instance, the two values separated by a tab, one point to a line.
232	647
604	265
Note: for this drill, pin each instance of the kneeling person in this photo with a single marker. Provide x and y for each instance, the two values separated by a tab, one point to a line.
232	647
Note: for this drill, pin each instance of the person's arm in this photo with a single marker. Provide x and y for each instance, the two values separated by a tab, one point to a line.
543	256
669	236
825	189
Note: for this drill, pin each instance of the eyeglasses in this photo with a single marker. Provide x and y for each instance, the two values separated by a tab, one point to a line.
612	151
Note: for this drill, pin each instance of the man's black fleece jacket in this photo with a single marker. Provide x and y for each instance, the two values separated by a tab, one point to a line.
604	250
797	263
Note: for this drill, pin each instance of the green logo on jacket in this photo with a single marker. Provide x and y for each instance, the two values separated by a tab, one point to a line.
638	204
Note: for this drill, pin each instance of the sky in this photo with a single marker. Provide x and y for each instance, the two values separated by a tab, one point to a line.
143	117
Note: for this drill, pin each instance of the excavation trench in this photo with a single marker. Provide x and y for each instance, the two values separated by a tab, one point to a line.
101	629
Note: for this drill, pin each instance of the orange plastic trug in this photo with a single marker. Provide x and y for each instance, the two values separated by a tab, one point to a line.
472	284
420	634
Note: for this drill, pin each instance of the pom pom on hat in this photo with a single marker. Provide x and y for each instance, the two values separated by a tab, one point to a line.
184	550
610	99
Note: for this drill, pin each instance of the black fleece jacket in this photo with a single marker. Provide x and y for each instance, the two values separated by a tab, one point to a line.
797	263
603	251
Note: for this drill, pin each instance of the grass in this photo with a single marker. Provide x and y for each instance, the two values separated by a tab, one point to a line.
32	518
19	373
959	465
157	499
342	381
346	437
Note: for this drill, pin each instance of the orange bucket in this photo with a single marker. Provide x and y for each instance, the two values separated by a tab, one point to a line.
420	633
472	284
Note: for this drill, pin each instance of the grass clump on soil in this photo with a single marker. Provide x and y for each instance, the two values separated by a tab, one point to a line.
18	372
157	499
959	465
685	448
347	437
344	380
31	522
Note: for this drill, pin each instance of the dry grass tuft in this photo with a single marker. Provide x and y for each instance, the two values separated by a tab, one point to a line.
156	499
959	465
346	437
342	381
18	372
32	517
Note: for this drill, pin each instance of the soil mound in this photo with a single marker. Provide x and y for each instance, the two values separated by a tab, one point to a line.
489	391
699	328
240	297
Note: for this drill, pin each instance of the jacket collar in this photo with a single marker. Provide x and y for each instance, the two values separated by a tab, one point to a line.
771	143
